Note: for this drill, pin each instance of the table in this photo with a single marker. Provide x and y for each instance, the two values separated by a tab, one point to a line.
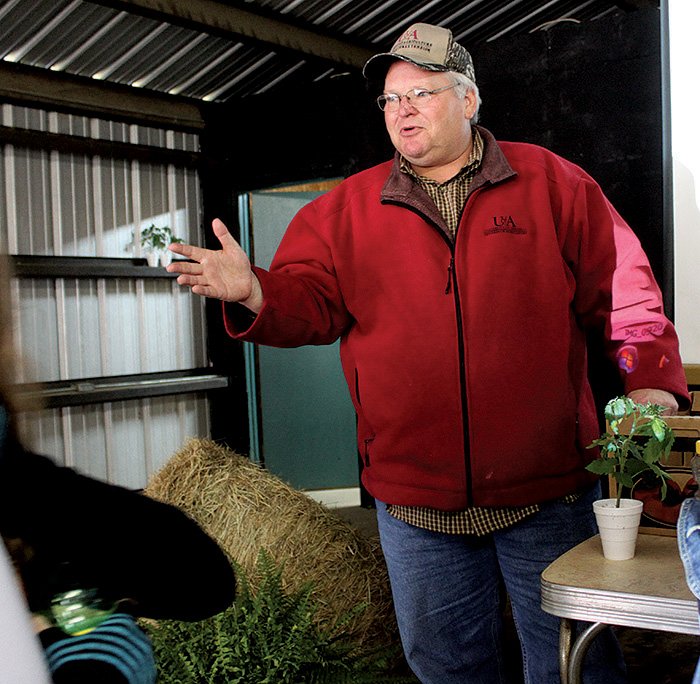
648	592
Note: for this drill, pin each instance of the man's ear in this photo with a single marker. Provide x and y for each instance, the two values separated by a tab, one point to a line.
469	105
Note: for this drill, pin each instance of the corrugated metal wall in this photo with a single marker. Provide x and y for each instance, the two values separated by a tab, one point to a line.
62	204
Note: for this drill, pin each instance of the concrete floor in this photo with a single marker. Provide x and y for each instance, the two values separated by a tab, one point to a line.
652	657
362	519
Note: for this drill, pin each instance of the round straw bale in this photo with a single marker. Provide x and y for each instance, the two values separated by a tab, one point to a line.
246	508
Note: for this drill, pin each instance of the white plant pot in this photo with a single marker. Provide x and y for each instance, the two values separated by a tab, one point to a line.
618	527
166	256
153	258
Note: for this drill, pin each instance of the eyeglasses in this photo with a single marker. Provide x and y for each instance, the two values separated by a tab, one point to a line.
417	97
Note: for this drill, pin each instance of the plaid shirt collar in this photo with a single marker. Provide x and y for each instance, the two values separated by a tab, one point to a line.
469	169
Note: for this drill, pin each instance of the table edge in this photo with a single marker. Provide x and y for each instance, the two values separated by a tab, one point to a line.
618	608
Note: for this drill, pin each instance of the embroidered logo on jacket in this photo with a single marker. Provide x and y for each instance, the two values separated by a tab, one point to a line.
504	224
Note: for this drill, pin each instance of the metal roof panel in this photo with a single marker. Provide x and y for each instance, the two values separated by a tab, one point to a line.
166	47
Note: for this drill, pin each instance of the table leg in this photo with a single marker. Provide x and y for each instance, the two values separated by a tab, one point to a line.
564	649
578	651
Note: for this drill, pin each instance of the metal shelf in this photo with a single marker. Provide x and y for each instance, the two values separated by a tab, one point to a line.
82	391
30	266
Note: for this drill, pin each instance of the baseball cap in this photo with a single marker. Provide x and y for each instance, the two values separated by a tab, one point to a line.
428	47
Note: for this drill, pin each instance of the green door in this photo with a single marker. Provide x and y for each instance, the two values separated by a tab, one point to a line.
305	431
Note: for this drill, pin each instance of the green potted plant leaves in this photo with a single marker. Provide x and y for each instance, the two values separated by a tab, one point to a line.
637	440
154	242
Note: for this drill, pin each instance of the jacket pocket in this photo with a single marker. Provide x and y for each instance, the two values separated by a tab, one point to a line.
358	401
366	444
364	431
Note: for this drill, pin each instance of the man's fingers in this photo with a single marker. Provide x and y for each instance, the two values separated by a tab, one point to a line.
199	253
189	252
181	248
223	236
204	291
219	228
191	267
189	279
655	396
207	270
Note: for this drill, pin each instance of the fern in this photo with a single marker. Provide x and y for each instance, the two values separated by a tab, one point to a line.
268	636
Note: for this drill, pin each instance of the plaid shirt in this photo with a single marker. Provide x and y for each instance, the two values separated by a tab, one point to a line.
450	198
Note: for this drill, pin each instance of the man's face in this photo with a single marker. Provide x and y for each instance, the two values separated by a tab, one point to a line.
439	132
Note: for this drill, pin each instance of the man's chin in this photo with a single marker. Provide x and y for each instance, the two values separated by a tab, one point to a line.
414	157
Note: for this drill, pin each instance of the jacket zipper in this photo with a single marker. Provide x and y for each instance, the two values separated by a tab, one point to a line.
450	269
452	287
461	346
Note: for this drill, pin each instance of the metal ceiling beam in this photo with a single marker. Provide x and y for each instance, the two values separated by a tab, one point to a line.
215	17
32	85
96	147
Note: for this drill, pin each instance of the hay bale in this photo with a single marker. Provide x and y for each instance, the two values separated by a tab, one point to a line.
246	508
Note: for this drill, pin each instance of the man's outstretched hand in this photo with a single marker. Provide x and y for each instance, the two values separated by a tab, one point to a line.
222	273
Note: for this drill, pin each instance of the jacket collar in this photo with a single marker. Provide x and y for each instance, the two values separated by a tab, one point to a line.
494	168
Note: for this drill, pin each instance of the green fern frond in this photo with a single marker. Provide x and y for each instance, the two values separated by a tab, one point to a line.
268	636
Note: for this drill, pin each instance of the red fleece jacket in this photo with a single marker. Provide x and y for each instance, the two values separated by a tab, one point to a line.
466	360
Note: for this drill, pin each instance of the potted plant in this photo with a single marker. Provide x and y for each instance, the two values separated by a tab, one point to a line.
154	241
635	443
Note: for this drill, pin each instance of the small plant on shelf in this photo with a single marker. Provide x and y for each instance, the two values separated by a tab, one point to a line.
636	441
156	238
154	242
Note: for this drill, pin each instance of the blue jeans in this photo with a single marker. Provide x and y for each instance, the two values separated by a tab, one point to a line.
448	594
688	530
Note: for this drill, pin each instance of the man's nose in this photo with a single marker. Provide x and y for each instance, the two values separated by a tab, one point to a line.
405	105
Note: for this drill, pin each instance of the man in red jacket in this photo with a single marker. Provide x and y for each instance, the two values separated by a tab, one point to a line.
463	271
